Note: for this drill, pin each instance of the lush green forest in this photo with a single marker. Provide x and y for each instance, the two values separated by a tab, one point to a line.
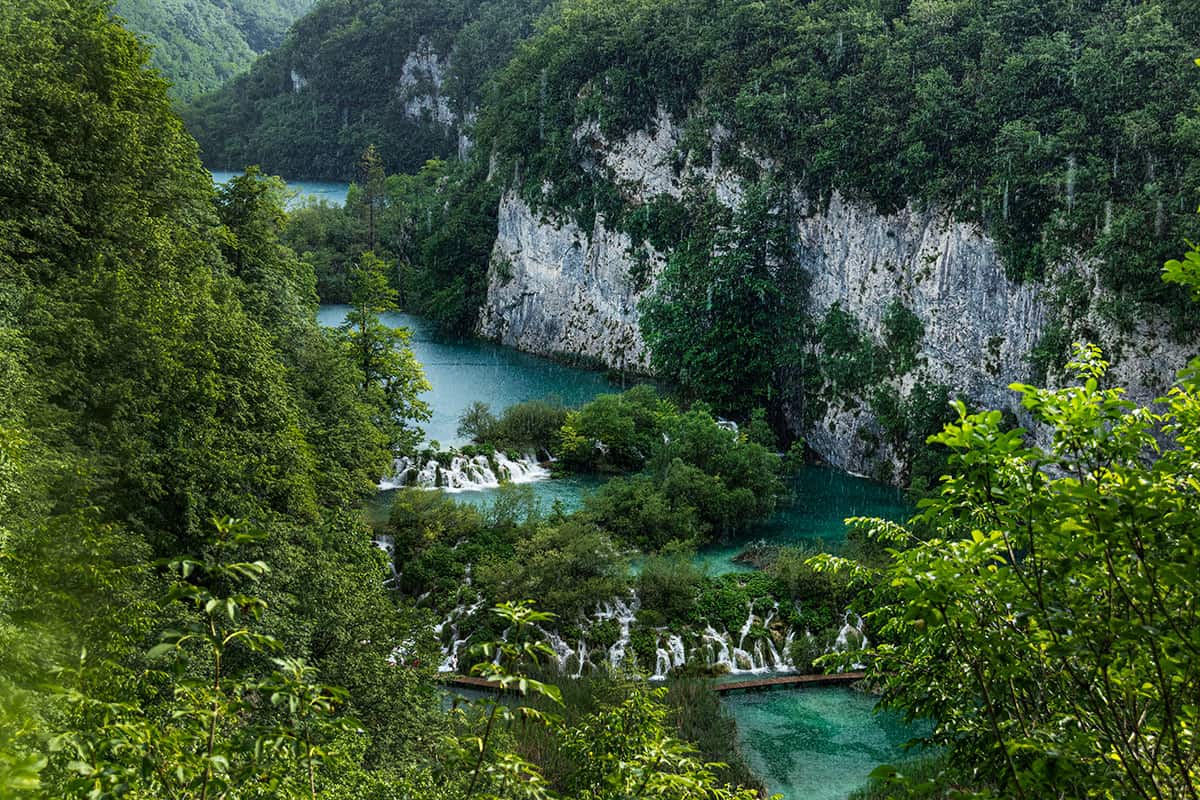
200	44
190	602
194	603
1057	125
1062	129
352	58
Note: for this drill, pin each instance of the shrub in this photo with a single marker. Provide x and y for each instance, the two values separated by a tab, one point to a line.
669	584
478	423
635	511
615	433
569	568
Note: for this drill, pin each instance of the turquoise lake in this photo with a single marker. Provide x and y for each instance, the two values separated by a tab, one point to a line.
462	371
819	743
306	191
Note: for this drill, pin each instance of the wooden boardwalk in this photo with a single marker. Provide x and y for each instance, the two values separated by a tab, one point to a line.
768	683
763	684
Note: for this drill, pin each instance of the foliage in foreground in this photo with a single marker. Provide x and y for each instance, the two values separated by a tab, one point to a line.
626	748
1050	625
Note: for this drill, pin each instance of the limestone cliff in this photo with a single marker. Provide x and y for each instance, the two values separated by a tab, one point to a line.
555	289
423	89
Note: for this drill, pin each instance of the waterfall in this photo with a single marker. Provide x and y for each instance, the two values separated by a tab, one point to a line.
668	658
755	648
565	656
452	645
852	636
455	472
624	613
387	543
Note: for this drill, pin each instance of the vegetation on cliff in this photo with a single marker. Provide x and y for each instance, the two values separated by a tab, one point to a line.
1042	607
1057	126
405	76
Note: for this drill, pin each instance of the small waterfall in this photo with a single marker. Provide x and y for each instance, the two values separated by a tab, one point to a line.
571	661
743	659
851	637
727	425
460	473
387	543
624	613
668	658
451	644
524	470
738	658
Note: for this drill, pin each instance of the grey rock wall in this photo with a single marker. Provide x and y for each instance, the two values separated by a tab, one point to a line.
555	289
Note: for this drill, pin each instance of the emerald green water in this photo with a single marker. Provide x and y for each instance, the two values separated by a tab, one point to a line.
819	501
306	191
462	371
809	744
817	744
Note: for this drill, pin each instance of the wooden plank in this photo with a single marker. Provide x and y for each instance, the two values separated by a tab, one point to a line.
758	684
789	681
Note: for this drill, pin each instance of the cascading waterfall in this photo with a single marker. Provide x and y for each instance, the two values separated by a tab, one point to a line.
460	473
720	649
451	644
852	636
624	613
742	652
673	656
387	543
571	661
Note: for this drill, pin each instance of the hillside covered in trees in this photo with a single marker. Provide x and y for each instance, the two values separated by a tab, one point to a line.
1061	133
1057	126
191	603
405	76
196	599
200	44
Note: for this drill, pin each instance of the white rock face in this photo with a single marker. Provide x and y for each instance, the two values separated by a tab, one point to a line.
298	82
421	82
557	290
422	88
979	326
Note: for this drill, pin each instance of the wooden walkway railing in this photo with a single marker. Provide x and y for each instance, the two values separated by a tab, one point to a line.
762	684
789	681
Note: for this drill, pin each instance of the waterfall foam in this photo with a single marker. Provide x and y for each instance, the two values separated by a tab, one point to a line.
455	472
624	613
758	647
387	543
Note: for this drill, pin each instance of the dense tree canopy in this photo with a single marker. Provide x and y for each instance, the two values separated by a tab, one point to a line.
166	369
162	373
1042	607
351	58
200	44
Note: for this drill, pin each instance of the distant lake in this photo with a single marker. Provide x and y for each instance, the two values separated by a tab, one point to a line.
306	191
